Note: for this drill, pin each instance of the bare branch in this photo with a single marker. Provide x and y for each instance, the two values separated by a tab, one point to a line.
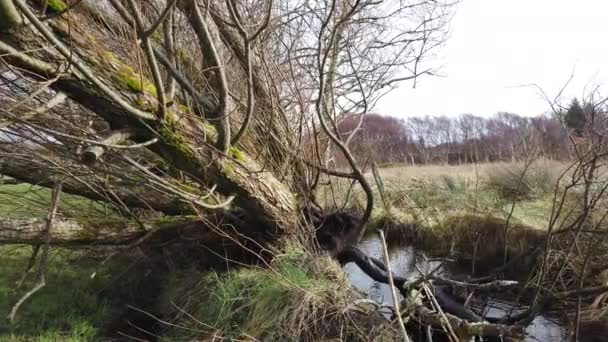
45	251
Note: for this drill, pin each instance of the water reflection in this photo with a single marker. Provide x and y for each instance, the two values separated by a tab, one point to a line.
404	261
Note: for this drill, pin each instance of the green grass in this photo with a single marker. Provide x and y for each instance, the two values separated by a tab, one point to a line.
25	201
68	308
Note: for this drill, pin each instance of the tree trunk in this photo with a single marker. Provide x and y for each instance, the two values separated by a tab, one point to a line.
69	232
86	185
74	233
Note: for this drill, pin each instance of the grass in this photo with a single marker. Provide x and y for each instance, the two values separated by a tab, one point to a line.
26	201
66	309
521	182
428	195
69	307
297	298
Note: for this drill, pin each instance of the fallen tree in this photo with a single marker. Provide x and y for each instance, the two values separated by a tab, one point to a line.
168	109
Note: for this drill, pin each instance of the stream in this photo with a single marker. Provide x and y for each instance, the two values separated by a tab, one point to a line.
403	262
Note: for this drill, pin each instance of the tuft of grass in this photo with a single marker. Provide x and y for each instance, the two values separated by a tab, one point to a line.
296	298
518	182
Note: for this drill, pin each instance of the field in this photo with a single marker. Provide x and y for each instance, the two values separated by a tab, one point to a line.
432	193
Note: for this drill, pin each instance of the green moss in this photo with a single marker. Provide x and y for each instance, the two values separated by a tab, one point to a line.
184	108
182	54
237	153
189	187
108	55
210	130
92	60
169	132
144	104
157	36
57	5
227	168
133	81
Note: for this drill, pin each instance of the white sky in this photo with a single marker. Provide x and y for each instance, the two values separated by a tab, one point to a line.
497	45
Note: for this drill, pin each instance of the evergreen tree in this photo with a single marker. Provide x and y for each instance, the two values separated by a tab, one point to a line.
575	117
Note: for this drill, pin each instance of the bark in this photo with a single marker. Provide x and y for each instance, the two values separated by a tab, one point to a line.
130	195
69	232
93	153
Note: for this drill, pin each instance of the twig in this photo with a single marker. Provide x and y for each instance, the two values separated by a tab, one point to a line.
392	285
152	61
45	250
83	70
30	264
444	318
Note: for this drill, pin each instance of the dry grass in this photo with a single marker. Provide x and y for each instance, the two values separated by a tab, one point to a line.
469	173
427	195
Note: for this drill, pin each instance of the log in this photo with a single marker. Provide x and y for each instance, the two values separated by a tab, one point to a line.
70	232
467	329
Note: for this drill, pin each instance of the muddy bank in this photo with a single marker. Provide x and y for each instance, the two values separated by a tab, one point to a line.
477	243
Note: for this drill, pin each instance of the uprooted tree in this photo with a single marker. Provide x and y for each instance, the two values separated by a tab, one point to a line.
193	123
191	107
216	115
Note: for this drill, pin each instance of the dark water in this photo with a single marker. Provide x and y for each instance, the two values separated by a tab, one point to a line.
404	261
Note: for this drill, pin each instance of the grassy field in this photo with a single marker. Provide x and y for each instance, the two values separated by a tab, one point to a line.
429	194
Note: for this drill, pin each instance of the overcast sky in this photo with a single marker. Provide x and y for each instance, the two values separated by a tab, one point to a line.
495	46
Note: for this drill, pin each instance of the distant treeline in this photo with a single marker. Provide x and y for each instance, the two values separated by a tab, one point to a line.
463	139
